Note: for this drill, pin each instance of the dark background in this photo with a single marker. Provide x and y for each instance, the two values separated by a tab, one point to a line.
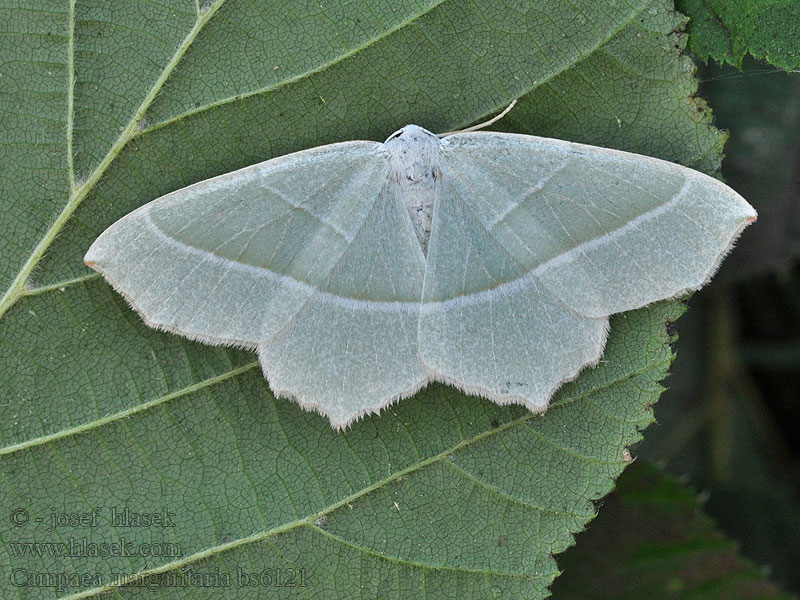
729	423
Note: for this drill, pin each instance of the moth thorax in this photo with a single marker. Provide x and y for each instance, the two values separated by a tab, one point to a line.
415	155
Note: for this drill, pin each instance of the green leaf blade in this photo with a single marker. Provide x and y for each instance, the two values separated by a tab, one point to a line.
35	78
102	412
119	56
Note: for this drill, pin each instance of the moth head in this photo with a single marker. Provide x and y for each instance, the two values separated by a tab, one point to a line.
414	154
412	133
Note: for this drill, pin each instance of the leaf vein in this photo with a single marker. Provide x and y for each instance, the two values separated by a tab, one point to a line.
496	490
299	77
419	565
79	192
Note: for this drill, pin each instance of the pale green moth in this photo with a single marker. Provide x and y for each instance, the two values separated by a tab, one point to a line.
362	271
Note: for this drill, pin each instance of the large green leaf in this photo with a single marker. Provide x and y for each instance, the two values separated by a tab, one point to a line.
107	105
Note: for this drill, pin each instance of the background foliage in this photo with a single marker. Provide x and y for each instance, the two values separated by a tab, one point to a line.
729	421
728	31
651	540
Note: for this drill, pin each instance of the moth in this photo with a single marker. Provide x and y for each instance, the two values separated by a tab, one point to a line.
361	271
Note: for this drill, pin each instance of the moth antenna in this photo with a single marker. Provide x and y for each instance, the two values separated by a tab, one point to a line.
491	121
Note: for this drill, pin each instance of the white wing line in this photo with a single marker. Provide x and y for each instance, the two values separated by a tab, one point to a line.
558	260
302	286
537	187
428	307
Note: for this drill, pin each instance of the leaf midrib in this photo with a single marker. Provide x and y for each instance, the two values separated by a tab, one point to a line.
264	535
132	130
